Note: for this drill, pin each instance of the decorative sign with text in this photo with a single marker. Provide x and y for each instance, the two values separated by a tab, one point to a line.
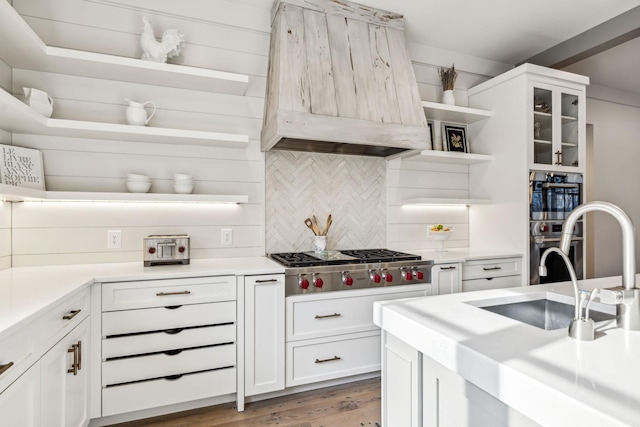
21	167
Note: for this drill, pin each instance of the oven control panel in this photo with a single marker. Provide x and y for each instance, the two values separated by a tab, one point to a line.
166	249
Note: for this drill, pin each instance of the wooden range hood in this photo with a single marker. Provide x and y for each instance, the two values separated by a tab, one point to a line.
340	80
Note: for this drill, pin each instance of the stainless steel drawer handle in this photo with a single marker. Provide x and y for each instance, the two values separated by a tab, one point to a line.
329	360
5	368
491	268
71	315
325	316
453	267
267	281
165	294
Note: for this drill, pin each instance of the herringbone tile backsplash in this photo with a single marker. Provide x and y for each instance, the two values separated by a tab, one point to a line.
350	188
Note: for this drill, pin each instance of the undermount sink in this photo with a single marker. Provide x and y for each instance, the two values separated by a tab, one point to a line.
544	312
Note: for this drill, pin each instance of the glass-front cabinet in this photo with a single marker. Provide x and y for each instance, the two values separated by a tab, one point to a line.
557	127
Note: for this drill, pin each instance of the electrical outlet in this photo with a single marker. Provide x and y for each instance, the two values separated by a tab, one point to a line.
227	237
114	239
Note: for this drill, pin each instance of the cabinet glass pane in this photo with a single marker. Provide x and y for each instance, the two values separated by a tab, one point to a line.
542	126
570	130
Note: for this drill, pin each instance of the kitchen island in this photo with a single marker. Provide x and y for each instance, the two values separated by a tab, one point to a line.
448	362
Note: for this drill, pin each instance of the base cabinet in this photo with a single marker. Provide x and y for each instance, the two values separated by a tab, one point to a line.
65	380
401	392
446	278
20	402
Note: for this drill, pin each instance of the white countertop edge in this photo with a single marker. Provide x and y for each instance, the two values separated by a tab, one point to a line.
541	402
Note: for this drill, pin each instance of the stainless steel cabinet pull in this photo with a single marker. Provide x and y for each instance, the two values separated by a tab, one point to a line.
5	368
324	316
71	315
491	268
328	360
452	267
164	294
74	367
267	281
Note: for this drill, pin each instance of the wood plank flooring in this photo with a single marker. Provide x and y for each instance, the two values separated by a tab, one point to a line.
356	404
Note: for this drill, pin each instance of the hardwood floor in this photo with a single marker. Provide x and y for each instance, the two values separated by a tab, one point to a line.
355	404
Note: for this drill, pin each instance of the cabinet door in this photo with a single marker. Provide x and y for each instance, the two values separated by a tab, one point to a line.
264	334
20	402
401	383
65	394
446	278
558	128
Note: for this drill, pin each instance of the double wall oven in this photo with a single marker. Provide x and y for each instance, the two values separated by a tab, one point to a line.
552	196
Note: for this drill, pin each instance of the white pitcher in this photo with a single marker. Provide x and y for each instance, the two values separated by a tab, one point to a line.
38	100
136	114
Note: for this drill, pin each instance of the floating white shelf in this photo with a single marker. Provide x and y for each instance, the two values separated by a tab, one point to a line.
17	117
22	48
453	113
448	157
11	193
426	201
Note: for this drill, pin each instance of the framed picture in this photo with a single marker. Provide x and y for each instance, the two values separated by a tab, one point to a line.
454	138
432	143
21	167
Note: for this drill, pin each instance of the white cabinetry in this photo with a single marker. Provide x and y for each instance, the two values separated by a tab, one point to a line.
492	273
35	387
264	333
65	380
332	335
446	278
167	341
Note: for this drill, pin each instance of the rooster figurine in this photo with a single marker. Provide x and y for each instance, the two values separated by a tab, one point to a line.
159	51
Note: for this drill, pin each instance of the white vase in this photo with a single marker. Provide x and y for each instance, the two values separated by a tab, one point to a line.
448	98
320	243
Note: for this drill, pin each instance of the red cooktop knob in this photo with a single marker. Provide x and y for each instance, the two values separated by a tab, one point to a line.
318	283
388	278
376	278
419	275
408	275
304	284
544	228
348	280
181	249
152	250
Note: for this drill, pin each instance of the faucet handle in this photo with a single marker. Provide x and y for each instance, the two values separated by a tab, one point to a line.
609	296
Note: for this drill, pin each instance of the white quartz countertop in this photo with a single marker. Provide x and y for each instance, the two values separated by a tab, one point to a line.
547	376
25	291
462	255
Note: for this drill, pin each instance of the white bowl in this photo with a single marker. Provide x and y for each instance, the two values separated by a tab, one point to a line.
182	177
439	235
138	186
183	188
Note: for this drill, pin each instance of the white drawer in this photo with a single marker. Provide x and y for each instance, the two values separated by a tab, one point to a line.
333	314
480	269
160	365
65	316
491	283
160	319
161	392
316	360
168	292
167	340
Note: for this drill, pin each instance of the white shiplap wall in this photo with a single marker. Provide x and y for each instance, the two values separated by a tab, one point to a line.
220	35
5	208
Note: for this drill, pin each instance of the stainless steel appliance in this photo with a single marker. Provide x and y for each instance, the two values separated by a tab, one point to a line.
311	272
166	249
552	196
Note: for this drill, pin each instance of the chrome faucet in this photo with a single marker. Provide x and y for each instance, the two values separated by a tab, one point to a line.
627	297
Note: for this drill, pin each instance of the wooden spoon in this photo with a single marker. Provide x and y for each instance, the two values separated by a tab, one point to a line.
326	227
309	224
316	227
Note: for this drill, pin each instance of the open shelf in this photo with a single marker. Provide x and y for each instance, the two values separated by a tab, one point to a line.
17	117
453	113
22	48
448	157
426	201
10	193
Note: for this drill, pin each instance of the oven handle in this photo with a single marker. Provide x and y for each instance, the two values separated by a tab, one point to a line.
540	240
556	185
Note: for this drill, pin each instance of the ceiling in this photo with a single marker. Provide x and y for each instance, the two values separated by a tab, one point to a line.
512	32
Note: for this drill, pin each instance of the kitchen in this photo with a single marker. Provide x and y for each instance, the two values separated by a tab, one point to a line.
75	233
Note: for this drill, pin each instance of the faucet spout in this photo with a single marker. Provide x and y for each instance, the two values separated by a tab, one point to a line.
628	310
628	236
